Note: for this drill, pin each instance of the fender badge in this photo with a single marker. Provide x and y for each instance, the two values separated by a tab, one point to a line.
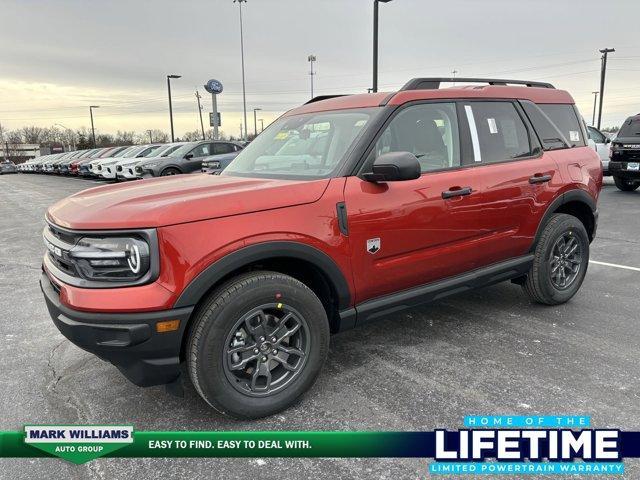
373	245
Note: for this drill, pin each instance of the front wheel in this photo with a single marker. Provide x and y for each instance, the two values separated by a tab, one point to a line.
257	344
626	185
170	171
560	261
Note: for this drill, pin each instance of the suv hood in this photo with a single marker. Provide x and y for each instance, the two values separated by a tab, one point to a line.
179	199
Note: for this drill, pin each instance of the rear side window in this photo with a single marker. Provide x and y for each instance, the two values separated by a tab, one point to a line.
565	118
219	148
498	133
550	136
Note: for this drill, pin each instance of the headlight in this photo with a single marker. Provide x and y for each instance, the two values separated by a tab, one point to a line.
113	259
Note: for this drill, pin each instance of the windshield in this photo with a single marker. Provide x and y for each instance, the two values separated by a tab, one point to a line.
123	153
167	150
630	128
151	151
310	145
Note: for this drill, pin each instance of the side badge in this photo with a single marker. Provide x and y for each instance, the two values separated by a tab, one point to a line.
373	245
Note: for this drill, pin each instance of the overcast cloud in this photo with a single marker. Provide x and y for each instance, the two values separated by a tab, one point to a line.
57	57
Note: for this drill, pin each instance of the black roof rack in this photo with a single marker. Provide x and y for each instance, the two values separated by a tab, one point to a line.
434	83
324	97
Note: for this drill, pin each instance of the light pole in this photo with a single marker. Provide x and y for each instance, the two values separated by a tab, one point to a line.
150	136
595	99
375	43
255	121
244	93
261	120
71	136
200	112
603	72
311	58
93	130
169	77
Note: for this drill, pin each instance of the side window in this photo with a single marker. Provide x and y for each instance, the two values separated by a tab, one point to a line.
550	136
429	131
201	150
219	148
565	118
498	133
595	135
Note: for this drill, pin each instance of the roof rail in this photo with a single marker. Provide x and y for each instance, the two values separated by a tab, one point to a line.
434	83
324	97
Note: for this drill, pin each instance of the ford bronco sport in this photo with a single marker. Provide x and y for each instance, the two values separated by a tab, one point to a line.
344	210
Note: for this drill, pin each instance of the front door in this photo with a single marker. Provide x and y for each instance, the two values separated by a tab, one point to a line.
408	233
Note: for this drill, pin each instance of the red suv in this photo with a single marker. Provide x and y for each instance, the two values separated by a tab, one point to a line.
344	210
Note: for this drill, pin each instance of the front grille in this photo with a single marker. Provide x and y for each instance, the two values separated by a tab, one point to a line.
58	243
119	168
138	169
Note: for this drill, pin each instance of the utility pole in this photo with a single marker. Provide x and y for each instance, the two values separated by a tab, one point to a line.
241	135
603	72
93	130
244	93
595	99
311	58
261	120
255	121
200	112
374	88
169	77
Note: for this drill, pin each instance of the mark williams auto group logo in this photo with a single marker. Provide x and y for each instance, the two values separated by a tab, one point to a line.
78	444
527	445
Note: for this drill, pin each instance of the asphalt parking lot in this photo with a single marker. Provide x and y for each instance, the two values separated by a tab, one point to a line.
485	352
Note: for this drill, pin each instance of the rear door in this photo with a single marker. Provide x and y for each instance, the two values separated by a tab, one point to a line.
515	177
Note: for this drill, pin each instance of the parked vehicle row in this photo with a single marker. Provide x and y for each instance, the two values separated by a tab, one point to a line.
137	161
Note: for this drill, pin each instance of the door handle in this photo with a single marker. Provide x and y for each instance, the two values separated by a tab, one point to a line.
456	192
539	178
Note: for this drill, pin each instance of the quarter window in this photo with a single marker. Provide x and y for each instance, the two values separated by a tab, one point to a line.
429	131
595	135
497	132
565	118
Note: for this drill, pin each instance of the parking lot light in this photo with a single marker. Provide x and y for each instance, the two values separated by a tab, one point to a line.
244	94
169	77
93	130
255	121
374	88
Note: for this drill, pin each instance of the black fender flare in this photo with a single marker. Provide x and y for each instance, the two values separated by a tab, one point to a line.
575	195
211	275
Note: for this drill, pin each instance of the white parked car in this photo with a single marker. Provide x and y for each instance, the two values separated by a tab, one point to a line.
601	144
107	168
126	167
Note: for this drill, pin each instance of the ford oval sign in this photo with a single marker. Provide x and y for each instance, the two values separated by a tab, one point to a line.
213	86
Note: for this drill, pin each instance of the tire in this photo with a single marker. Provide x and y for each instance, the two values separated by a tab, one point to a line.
626	185
170	171
215	332
541	284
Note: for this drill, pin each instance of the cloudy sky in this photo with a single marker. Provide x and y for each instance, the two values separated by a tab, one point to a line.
59	56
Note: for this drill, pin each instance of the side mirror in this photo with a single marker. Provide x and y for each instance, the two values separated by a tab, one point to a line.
188	156
607	140
393	167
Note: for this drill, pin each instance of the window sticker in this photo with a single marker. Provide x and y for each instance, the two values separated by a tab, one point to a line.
574	136
493	126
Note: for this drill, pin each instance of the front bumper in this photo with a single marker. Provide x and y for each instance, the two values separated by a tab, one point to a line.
619	169
127	340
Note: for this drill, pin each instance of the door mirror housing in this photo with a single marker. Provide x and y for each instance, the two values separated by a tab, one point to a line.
607	140
394	167
188	156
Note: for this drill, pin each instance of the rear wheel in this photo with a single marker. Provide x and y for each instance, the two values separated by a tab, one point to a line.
170	171
560	262
257	344
626	185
